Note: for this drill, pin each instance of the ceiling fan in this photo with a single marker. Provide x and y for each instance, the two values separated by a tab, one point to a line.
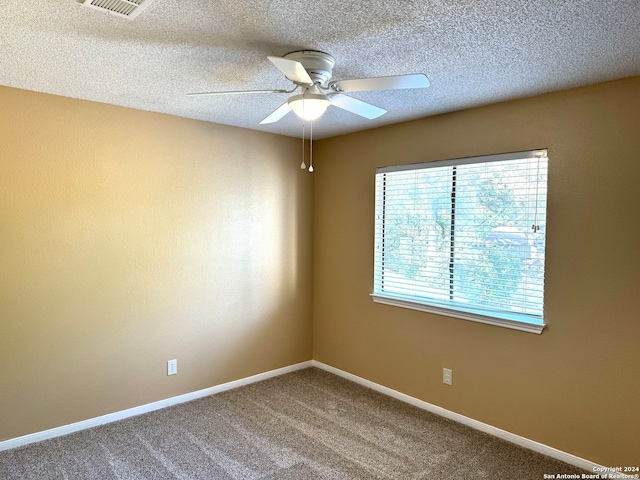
310	70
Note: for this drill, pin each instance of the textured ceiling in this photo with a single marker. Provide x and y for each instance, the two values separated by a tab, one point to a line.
475	52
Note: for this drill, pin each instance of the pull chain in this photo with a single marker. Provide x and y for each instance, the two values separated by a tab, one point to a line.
311	146
303	165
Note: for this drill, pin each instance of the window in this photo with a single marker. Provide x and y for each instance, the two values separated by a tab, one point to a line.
464	238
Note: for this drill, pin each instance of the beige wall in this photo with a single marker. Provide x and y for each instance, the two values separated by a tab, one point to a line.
576	387
130	238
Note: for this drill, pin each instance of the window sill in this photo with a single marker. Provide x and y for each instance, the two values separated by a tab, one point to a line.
473	317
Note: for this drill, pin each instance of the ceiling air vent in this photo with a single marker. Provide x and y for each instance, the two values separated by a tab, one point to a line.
122	8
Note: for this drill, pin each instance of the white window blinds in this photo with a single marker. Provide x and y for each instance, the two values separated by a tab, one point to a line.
464	235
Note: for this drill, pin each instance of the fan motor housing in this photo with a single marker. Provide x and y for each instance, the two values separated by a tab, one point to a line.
318	65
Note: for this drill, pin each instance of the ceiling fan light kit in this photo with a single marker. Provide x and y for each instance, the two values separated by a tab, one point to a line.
309	106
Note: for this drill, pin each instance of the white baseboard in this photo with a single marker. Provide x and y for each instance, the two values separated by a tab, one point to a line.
149	407
470	422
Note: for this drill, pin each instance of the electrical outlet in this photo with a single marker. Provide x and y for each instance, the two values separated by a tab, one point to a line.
447	376
172	367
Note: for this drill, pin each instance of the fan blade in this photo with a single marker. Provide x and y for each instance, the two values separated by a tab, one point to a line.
416	80
356	106
277	114
292	69
236	92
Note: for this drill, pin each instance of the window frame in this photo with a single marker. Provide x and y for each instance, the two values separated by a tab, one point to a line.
537	325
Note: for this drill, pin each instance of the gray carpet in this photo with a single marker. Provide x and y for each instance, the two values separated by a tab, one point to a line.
306	425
